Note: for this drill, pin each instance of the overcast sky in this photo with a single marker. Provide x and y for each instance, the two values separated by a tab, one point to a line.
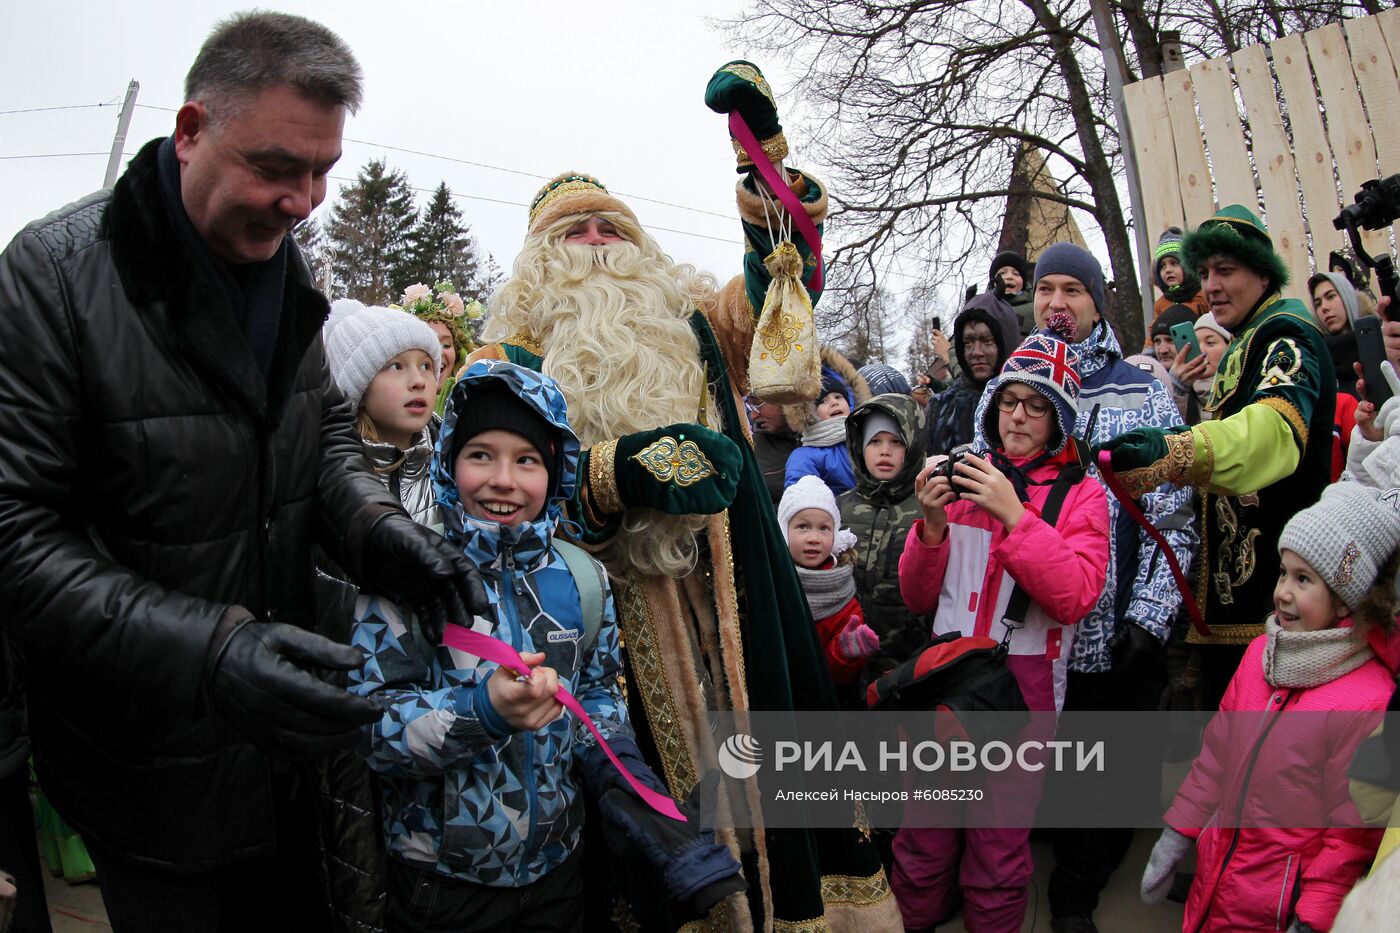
615	89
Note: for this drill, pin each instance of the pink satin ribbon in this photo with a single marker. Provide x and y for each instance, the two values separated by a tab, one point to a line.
749	141
1188	598
493	649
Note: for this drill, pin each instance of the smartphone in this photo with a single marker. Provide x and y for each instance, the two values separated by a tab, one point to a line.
1370	347
936	323
1184	336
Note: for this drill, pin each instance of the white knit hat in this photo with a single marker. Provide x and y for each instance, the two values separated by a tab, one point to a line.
809	492
1347	537
1208	322
360	339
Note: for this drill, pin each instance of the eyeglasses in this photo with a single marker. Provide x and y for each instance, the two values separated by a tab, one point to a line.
1036	407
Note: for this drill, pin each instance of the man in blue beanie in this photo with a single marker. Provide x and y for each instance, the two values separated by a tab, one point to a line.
1118	662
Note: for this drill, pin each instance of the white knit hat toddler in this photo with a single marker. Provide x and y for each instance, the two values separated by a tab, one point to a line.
361	338
810	492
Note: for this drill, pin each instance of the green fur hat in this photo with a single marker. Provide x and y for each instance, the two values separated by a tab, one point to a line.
1234	231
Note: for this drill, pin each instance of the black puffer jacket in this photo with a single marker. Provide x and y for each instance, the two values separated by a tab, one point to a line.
149	478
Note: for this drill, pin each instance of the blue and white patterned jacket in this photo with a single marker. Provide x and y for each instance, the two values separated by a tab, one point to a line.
463	795
1127	398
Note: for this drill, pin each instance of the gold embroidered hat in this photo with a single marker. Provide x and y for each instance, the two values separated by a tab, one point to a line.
572	193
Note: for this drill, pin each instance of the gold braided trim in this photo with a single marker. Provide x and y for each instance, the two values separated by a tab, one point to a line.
775	148
1240	634
1207	469
857	892
1290	413
1175	467
659	701
602	477
716	921
815	925
525	342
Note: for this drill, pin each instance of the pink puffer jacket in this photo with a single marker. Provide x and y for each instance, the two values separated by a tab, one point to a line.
1282	766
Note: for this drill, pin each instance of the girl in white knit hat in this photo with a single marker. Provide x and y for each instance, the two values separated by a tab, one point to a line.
387	361
811	526
1256	797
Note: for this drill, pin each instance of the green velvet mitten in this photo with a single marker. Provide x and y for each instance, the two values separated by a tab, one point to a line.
681	469
1145	458
740	86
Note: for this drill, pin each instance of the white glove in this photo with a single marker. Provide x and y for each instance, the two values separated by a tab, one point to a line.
1170	849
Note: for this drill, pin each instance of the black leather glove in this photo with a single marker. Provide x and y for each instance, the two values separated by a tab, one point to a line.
1131	647
698	871
256	677
414	566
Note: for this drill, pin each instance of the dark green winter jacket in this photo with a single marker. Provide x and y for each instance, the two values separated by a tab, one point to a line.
880	513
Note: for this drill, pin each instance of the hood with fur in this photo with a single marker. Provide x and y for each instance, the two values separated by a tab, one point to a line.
803	415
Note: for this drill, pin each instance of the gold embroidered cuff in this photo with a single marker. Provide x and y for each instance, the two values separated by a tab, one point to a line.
602	477
774	147
1181	458
1291	414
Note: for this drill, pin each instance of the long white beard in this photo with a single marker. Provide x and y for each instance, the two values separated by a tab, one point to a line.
616	337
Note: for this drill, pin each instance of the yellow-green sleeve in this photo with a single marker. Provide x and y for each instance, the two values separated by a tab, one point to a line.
1253	448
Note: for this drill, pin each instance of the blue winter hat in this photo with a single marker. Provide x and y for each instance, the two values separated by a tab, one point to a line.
1074	261
832	382
883	378
1047	363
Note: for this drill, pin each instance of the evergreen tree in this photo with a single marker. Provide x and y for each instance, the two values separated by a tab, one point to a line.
369	234
314	249
445	250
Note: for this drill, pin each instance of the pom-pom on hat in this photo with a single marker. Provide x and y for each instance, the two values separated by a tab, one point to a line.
1234	231
1347	537
572	193
1075	262
361	338
1047	363
810	492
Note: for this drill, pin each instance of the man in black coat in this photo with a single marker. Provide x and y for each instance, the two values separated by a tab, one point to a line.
171	447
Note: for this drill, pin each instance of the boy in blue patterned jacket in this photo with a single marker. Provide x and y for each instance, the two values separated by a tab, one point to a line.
481	802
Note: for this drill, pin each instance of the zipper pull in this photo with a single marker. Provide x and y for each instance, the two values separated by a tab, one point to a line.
514	577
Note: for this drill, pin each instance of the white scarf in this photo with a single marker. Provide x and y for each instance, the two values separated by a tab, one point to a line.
1311	659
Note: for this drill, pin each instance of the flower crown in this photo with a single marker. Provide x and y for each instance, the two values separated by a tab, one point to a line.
440	300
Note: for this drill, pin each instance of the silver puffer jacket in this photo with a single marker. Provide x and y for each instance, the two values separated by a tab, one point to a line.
410	479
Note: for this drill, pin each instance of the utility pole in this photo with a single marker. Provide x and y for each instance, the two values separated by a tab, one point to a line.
1115	68
114	161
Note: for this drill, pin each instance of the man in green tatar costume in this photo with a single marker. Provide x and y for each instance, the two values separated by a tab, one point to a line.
1266	454
652	357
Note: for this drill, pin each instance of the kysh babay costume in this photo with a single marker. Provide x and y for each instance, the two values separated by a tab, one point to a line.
735	633
1267	451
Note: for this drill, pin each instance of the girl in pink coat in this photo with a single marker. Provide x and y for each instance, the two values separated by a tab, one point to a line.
981	536
1327	648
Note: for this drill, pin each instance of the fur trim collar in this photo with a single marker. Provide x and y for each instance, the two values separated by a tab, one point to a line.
161	278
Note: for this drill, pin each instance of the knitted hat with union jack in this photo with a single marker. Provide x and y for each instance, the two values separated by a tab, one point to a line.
1047	363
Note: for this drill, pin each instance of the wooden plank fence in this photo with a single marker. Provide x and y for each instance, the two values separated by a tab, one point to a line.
1290	129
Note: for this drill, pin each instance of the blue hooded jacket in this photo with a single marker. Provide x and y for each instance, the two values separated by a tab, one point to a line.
463	794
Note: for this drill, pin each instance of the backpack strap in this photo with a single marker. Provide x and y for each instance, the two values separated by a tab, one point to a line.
588	577
1069	475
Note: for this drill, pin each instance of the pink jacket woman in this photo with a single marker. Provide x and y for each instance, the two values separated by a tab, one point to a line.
1265	770
969	577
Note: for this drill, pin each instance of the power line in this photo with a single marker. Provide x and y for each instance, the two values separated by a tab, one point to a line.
499	168
52	155
478	197
5	113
